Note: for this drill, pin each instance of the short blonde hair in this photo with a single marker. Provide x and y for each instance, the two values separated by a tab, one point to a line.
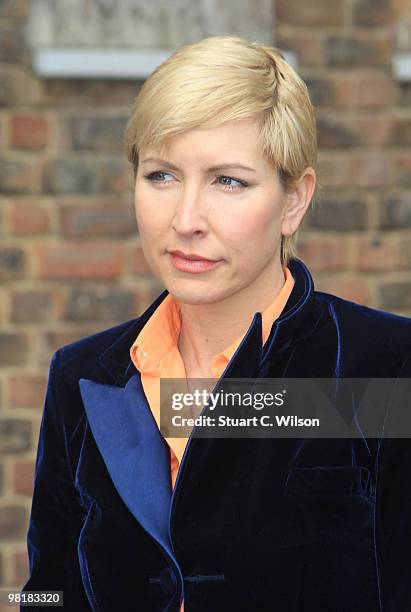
222	78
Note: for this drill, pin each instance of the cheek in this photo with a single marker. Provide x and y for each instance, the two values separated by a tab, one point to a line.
150	215
254	224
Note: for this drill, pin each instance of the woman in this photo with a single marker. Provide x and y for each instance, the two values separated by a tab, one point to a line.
223	143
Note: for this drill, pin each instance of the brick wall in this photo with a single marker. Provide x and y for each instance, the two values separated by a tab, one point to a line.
358	241
70	261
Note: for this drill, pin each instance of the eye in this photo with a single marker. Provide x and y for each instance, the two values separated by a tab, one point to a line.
157	175
152	176
240	184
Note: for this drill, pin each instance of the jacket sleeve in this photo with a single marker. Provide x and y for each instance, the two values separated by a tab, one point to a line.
393	516
55	518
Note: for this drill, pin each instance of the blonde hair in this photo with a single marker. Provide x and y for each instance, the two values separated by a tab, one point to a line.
222	78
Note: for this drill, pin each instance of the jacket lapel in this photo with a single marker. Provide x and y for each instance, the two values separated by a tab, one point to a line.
133	451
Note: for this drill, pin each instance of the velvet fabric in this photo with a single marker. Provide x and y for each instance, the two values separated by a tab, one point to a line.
291	525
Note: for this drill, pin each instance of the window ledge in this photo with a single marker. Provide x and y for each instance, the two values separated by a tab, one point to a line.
86	63
401	64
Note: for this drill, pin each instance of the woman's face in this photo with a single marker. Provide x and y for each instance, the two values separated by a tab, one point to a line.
230	215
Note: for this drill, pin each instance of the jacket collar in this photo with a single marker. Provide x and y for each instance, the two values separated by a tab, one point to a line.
250	356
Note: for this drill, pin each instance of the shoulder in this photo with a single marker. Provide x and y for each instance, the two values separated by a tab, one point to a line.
358	323
339	306
85	355
81	357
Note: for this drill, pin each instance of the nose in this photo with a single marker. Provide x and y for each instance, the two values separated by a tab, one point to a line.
190	213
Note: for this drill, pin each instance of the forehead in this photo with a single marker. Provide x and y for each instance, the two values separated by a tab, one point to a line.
233	142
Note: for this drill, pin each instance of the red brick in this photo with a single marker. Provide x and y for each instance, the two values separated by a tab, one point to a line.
364	89
394	211
323	252
12	263
13	348
400	135
146	296
27	391
50	341
3	312
373	129
372	170
18	174
403	170
97	219
358	51
74	260
28	131
357	89
12	45
23	477
13	8
20	567
13	522
404	250
348	287
33	305
336	131
319	13
395	295
139	263
81	174
379	253
338	211
323	91
74	94
403	95
373	12
334	171
28	217
14	88
15	436
91	133
3	133
309	48
8	608
373	90
365	170
99	303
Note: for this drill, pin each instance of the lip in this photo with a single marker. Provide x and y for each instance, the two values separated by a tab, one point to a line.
190	256
192	266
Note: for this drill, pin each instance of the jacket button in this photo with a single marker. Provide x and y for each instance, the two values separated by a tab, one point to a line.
168	581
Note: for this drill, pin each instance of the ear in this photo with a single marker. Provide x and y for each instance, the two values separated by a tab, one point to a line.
297	200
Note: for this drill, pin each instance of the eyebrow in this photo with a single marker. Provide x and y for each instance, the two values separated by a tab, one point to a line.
216	168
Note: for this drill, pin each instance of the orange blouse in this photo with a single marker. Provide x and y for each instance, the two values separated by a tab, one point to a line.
155	354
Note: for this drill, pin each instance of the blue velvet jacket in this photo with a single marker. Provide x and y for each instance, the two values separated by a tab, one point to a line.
291	524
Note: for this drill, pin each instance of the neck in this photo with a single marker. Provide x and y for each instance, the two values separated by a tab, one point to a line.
208	329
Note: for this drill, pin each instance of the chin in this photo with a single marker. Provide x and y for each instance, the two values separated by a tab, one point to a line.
193	295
